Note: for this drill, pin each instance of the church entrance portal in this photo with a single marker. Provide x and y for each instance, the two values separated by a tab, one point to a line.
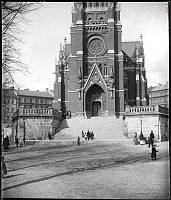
95	101
96	108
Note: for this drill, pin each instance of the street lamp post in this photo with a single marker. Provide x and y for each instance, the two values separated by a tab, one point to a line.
24	137
141	118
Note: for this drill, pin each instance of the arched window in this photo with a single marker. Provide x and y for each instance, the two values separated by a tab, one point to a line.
101	18
97	4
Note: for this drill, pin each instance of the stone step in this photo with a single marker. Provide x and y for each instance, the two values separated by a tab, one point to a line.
102	127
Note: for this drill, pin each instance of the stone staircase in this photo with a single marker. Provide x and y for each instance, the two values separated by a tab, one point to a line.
104	128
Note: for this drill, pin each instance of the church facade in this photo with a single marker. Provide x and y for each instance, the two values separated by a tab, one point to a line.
98	74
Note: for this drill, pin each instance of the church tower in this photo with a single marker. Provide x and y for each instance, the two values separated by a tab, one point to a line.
98	74
95	67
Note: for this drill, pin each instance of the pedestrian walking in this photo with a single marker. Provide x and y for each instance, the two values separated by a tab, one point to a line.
5	143
16	141
135	139
4	168
153	152
92	135
78	141
151	138
49	135
88	135
141	137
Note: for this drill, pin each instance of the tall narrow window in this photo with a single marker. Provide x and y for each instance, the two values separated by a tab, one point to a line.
105	70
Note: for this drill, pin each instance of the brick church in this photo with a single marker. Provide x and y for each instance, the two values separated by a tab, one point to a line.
98	74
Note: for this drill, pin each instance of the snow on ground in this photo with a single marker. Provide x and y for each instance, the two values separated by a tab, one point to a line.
92	170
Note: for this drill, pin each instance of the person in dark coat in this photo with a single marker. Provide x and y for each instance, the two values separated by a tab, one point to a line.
16	141
151	138
141	136
153	152
88	134
78	141
49	135
5	143
8	142
4	168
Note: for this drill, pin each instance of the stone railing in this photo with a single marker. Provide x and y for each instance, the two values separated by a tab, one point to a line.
141	109
35	111
146	110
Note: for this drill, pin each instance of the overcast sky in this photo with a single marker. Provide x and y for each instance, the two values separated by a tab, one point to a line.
52	22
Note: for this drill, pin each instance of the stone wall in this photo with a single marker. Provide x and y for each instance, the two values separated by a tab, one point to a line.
35	129
153	118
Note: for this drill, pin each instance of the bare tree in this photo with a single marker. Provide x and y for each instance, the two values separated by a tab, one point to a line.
13	14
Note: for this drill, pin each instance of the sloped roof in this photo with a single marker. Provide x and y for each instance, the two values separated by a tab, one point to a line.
129	47
67	50
43	94
150	88
160	87
9	93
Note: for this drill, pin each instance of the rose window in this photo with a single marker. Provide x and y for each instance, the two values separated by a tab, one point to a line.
96	45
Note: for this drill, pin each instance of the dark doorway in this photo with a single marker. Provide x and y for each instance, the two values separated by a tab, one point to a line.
95	101
96	108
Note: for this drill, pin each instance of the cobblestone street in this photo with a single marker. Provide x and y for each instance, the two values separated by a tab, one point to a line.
92	170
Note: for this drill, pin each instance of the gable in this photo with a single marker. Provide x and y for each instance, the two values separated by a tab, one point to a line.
95	77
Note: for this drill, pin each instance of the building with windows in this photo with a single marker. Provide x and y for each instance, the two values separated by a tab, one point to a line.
98	74
159	95
15	98
9	106
34	99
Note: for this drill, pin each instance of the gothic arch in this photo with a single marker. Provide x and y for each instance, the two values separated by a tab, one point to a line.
95	100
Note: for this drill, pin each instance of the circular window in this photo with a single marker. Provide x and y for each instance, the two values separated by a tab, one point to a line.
96	45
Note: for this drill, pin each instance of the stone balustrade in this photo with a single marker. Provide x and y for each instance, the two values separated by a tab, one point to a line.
141	109
146	110
35	111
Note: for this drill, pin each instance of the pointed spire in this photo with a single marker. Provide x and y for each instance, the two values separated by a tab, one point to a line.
65	40
60	47
141	37
60	52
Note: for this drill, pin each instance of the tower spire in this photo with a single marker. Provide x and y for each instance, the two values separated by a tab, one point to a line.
141	37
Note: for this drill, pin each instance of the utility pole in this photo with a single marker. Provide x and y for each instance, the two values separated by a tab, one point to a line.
24	137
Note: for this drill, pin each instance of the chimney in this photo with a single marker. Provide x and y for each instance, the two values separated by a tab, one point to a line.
47	90
37	90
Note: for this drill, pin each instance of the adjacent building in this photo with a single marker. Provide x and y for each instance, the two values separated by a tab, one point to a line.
34	99
159	95
13	99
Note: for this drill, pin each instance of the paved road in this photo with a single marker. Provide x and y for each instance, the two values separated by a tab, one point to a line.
92	170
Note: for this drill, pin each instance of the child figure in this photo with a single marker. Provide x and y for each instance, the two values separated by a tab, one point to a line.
153	153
